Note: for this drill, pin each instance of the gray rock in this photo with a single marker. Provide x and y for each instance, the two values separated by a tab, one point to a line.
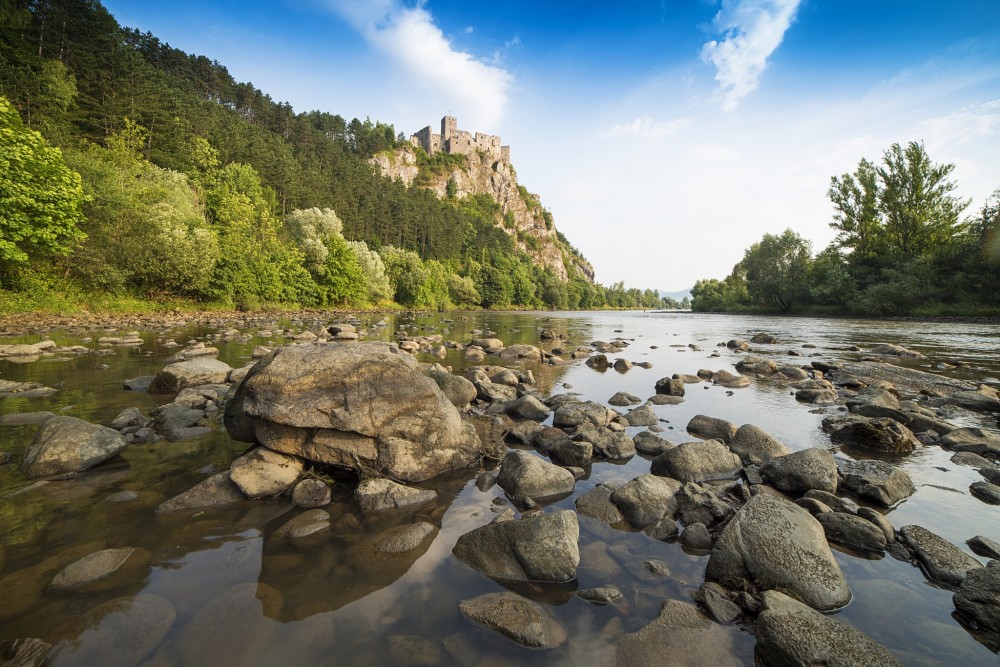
541	547
754	445
401	539
119	632
680	635
599	362
413	651
716	601
646	499
697	462
852	532
569	415
140	383
670	386
525	431
215	490
178	434
986	491
459	391
757	366
67	444
527	352
378	495
189	373
750	554
836	503
523	475
262	473
880	434
728	380
941	560
25	419
711	428
974	440
128	417
232	627
173	416
650	444
623	398
875	481
879	520
354	405
572	453
307	530
816	395
90	568
311	493
529	407
597	504
696	537
611	445
642	416
698	503
790	633
978	596
984	547
970	459
520	620
801	471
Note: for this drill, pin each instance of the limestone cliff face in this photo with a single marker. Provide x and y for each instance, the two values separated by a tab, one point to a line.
522	215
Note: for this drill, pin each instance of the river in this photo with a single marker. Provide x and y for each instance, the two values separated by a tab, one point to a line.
241	596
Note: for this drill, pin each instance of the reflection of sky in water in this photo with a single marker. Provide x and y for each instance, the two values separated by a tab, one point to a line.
196	559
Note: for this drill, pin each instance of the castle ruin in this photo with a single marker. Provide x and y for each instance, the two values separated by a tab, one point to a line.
454	140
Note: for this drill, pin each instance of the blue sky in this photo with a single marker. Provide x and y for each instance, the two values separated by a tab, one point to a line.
665	137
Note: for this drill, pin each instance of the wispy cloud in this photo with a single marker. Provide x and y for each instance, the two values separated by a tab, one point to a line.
408	35
647	128
750	31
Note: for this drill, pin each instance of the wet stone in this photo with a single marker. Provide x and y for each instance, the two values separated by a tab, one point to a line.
986	491
516	618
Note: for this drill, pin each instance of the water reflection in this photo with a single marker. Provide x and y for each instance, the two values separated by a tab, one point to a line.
221	585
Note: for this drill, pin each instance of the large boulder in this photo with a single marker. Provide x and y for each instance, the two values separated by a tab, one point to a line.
67	444
189	373
881	434
974	440
801	471
523	475
772	544
711	428
790	633
542	547
355	405
697	462
875	481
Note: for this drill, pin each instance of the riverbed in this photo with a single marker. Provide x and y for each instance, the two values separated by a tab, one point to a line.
242	596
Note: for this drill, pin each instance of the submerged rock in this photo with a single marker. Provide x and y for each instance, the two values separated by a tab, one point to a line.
377	495
680	635
520	620
90	568
790	633
215	490
122	631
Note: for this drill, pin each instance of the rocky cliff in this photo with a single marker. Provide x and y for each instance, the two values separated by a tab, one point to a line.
521	213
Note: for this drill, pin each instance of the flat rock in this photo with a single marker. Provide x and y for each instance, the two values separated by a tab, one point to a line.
401	539
520	620
986	491
597	504
378	495
680	635
642	416
601	596
623	398
67	444
853	532
189	373
650	444
215	490
25	418
772	544
263	473
876	481
941	560
974	440
984	547
978	596
790	633
801	471
90	568
541	547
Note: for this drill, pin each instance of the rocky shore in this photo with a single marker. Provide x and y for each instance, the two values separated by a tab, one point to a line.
322	400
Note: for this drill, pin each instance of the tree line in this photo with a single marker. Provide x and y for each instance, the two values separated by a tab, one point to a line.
902	248
128	167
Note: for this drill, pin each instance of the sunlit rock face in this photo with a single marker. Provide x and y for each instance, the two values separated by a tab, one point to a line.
355	405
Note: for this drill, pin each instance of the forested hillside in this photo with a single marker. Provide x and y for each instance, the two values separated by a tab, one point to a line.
133	170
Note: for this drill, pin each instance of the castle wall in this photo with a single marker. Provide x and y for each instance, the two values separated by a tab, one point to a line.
460	142
454	140
449	127
427	140
505	153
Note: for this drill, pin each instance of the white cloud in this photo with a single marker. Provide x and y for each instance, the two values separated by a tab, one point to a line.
472	89
751	31
963	125
647	128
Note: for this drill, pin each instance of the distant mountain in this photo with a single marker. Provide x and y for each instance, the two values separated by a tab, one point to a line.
678	295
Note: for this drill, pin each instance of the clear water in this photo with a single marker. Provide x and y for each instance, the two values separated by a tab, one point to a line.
243	596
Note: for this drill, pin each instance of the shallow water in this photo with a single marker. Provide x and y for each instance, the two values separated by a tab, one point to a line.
241	595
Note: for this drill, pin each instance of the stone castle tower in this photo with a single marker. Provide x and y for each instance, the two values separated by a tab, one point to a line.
454	140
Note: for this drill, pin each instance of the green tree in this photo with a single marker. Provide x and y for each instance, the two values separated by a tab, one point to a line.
776	268
376	280
40	197
857	219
